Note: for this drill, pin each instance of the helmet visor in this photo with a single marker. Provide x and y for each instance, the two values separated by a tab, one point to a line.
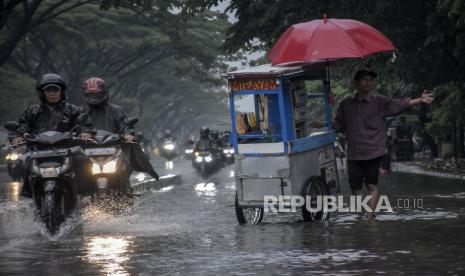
95	98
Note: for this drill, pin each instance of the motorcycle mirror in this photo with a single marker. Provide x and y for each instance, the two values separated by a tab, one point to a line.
132	121
12	125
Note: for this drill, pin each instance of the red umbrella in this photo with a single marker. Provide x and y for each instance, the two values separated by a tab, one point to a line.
327	39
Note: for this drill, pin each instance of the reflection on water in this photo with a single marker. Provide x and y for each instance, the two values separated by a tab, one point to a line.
192	230
460	195
169	165
111	254
208	189
166	189
13	190
140	176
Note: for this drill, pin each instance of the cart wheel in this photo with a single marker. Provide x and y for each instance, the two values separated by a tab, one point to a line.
314	187
248	215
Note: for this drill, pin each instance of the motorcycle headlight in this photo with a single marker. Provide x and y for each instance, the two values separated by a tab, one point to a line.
50	171
199	159
189	151
109	167
231	151
226	151
95	168
14	156
168	146
208	158
7	157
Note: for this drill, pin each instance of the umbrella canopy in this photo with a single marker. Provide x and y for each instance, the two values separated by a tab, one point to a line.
327	39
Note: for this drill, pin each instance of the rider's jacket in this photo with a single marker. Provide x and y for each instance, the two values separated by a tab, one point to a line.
204	144
43	117
109	117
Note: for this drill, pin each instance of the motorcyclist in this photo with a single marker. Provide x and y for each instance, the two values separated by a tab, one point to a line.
205	142
225	137
190	143
53	113
112	118
404	140
143	142
217	145
141	137
168	136
105	115
404	131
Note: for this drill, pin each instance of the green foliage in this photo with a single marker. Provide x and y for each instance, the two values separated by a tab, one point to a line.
16	93
429	36
450	111
161	66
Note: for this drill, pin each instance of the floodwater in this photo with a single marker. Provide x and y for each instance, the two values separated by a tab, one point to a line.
191	229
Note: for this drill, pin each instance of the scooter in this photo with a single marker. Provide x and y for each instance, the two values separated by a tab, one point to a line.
15	163
420	146
168	150
51	174
228	153
110	172
205	163
109	169
189	151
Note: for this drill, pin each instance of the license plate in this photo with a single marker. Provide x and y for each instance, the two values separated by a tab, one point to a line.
100	151
43	153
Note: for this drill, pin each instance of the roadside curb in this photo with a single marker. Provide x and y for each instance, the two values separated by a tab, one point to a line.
151	184
404	168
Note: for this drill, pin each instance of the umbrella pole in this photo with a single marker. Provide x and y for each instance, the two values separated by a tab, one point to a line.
329	118
328	77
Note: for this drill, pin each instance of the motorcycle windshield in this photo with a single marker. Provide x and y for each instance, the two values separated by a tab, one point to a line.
51	137
105	137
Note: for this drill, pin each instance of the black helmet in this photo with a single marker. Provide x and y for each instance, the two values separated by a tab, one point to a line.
50	79
204	132
215	134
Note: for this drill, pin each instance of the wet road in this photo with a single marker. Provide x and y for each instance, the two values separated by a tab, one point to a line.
191	229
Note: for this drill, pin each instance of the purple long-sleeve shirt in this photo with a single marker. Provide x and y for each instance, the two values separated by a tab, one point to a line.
362	120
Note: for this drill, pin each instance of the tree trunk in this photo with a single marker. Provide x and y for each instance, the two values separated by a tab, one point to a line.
7	47
461	141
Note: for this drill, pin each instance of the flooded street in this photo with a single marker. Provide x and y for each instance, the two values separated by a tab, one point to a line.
191	229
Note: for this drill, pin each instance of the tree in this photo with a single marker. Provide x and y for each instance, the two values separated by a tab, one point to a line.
429	36
163	67
19	17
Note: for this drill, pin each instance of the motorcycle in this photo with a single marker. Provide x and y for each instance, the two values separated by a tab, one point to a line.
168	150
15	163
110	172
189	151
228	153
145	146
51	174
205	163
420	146
228	150
109	169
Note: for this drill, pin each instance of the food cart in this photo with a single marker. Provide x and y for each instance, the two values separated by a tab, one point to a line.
284	141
